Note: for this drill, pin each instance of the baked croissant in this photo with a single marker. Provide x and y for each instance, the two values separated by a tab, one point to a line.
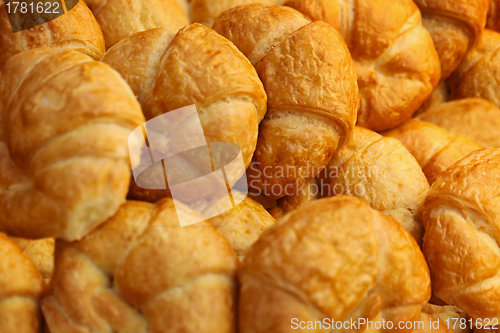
455	26
381	171
439	96
41	252
241	225
64	160
473	117
332	258
477	75
77	30
310	81
21	287
206	11
493	21
197	66
396	62
142	272
435	148
122	18
460	217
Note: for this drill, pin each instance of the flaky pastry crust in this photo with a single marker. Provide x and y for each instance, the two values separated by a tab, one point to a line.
435	148
332	258
382	172
64	159
310	81
142	272
77	30
461	216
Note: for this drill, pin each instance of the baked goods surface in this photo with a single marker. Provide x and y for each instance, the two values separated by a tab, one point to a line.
473	117
41	252
21	288
340	226
460	217
381	171
396	62
142	272
477	75
241	225
455	26
64	160
379	271
206	11
122	18
76	30
493	22
435	148
312	93
197	66
439	96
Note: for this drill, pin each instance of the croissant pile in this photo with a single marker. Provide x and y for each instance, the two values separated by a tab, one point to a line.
250	166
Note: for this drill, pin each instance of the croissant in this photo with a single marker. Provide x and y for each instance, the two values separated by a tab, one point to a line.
381	171
21	287
196	66
439	96
64	160
455	26
493	21
435	148
122	18
476	76
41	252
142	272
473	117
77	30
312	93
241	225
331	258
461	235
396	62
206	11
307	193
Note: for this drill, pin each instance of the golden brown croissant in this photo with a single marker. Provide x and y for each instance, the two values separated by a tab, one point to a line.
382	172
435	148
64	160
332	258
310	80
206	11
196	66
461	217
477	75
439	96
242	225
396	62
76	30
473	117
455	26
122	18
142	272
21	287
493	21
41	252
